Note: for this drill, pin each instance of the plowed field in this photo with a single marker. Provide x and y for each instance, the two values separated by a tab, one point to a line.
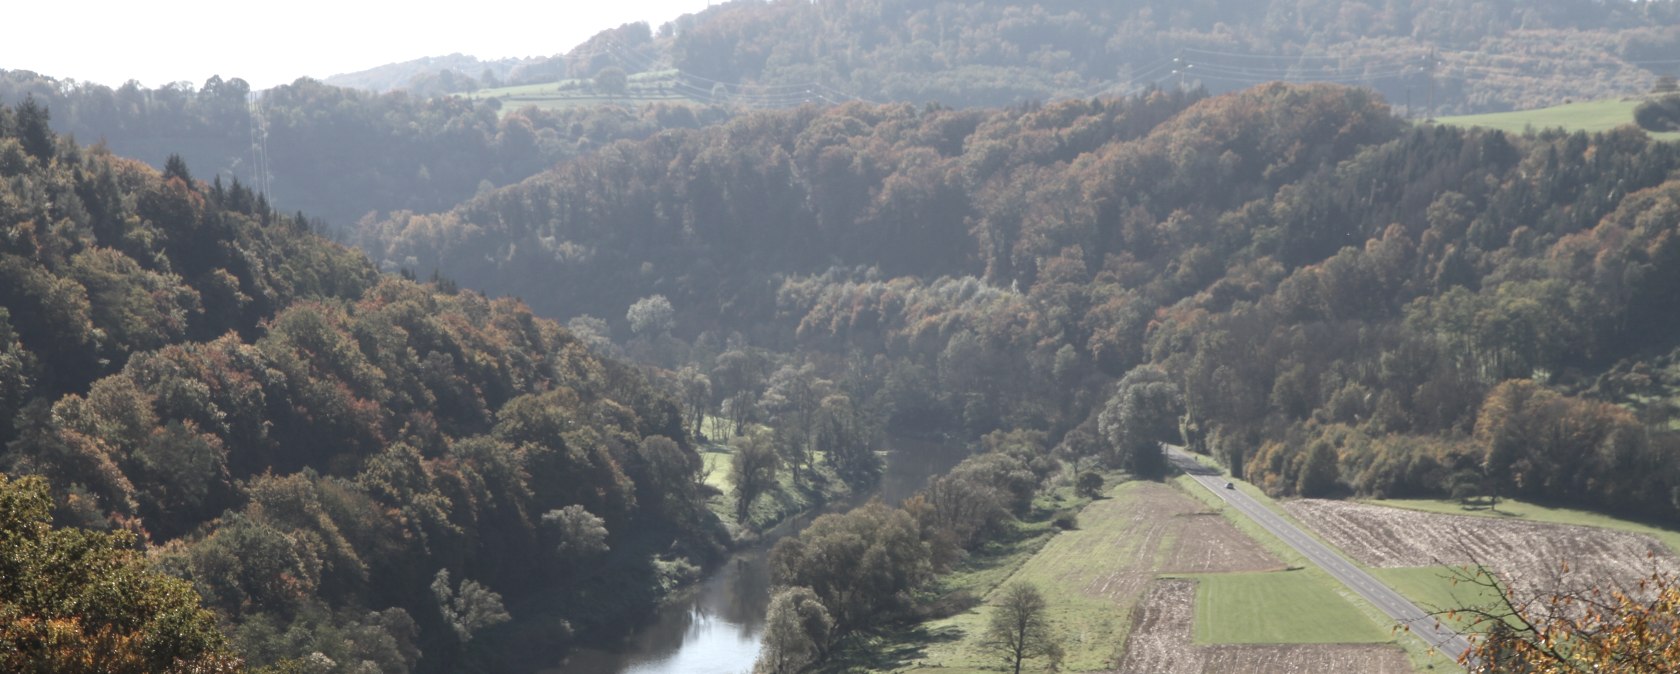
1522	551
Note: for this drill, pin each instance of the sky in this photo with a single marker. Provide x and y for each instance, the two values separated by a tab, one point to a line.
113	41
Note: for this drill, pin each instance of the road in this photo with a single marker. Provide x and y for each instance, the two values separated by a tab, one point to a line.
1404	612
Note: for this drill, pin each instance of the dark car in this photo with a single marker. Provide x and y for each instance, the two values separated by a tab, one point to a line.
1230	486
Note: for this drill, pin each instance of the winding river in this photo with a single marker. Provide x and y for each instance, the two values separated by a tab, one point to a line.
715	628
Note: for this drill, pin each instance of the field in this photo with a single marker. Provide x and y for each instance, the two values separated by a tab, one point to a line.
1591	116
1519	510
1524	552
1433	589
650	87
1113	609
1291	607
1094	575
1161	644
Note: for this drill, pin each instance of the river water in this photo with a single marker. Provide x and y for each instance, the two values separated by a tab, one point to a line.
715	628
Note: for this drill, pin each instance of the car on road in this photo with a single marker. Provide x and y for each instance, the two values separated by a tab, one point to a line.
1230	486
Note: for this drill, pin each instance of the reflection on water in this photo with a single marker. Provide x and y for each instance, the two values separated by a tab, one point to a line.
716	629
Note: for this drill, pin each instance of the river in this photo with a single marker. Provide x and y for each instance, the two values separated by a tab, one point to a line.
715	627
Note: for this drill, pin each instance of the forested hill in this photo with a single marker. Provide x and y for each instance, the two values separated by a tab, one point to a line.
1346	303
336	153
1462	55
359	470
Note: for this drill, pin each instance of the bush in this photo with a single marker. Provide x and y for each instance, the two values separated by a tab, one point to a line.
1662	114
1090	484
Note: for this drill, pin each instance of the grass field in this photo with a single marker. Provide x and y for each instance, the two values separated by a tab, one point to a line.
1095	577
1423	658
1519	510
1283	607
649	87
1590	116
1433	589
1064	567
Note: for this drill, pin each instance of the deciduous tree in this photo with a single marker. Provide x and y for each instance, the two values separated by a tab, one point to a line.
1019	629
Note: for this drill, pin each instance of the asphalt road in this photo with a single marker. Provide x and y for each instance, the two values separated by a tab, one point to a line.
1404	612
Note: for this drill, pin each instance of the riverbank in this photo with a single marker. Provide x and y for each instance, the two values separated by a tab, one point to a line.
714	625
953	608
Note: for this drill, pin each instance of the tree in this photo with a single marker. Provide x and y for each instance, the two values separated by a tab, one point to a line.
73	600
794	397
33	130
468	609
797	629
863	565
581	534
1090	484
695	391
752	470
845	438
1142	414
651	316
612	81
1564	629
1018	628
1318	477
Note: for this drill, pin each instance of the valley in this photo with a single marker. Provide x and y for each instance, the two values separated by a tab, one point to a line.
859	336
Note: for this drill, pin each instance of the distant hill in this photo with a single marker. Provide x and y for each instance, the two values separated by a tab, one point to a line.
1449	56
419	72
334	152
1309	271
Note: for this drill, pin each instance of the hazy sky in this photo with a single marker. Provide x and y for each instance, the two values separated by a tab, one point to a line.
269	43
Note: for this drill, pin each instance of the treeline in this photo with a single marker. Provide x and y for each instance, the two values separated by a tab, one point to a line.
1467	56
1323	296
337	153
861	572
355	472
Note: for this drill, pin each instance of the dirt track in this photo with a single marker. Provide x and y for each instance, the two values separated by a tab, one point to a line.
1163	628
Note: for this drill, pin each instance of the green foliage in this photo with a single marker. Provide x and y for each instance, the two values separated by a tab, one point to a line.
1090	484
752	471
468	608
78	600
307	443
1662	114
1142	414
863	565
581	534
797	631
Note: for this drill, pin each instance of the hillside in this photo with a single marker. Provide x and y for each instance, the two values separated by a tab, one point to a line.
389	475
1346	304
425	76
338	154
1442	55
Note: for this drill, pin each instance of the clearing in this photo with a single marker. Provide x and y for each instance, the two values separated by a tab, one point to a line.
1589	116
